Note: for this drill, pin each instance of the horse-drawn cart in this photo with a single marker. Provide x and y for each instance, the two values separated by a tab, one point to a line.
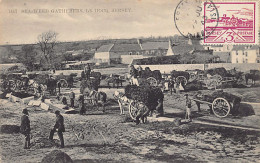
153	78
138	99
220	103
213	78
181	77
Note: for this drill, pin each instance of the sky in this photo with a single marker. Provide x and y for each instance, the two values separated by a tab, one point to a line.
21	21
92	19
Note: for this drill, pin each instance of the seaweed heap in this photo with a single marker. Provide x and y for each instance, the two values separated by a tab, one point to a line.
210	96
42	78
175	74
148	73
195	85
218	71
146	94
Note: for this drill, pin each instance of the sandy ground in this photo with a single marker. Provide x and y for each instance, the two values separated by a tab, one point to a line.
110	137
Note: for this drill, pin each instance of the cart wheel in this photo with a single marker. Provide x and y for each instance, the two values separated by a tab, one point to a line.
182	80
64	83
221	107
136	108
152	81
19	84
12	84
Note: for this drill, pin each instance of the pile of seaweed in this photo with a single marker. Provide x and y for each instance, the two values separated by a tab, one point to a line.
146	94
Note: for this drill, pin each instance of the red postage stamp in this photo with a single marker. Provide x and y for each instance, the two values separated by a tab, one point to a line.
237	23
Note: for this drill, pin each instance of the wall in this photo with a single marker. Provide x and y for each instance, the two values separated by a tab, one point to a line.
182	67
128	59
102	55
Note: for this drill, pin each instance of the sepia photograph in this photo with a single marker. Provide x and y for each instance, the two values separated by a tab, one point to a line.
138	81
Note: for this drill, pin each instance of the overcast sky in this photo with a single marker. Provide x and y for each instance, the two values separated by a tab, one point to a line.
20	23
142	18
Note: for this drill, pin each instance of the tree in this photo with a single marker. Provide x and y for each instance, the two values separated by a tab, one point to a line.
47	42
27	56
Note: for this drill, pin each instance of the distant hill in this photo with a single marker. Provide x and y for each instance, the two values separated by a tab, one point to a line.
8	52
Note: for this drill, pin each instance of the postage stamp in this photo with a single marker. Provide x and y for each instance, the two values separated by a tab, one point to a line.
237	23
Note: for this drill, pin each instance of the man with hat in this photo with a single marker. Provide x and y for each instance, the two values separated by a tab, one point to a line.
25	128
59	127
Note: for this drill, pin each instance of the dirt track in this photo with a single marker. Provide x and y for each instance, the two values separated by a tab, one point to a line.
104	137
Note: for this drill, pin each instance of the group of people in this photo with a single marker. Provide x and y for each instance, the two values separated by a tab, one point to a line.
25	128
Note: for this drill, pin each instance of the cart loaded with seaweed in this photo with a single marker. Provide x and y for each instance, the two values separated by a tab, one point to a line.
138	99
220	103
152	78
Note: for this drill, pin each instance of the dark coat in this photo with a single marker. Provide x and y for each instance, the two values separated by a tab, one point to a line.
59	124
25	125
72	95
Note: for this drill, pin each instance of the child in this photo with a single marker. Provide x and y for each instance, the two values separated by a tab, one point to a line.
72	98
188	107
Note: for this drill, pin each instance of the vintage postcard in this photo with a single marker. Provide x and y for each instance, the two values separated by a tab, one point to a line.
129	81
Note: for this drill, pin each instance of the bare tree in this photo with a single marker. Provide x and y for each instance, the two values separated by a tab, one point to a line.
27	56
47	41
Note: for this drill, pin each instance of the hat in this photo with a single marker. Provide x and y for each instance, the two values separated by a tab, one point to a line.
25	111
57	112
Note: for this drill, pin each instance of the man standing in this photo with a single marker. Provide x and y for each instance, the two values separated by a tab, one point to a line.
59	127
159	107
188	108
25	128
72	97
87	71
81	104
59	86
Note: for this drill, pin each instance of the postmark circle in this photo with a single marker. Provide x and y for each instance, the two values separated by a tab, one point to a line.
190	17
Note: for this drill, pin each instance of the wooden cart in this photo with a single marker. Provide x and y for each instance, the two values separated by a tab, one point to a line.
134	107
222	105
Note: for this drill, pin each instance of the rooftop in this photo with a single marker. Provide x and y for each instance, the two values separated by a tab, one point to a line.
244	47
154	45
105	48
125	47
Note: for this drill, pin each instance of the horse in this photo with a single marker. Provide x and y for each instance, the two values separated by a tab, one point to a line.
122	100
51	86
98	97
238	75
254	75
115	80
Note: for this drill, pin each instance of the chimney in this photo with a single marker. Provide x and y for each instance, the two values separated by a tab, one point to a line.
170	51
189	41
139	41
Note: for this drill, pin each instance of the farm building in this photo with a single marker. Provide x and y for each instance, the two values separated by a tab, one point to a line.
245	54
113	52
